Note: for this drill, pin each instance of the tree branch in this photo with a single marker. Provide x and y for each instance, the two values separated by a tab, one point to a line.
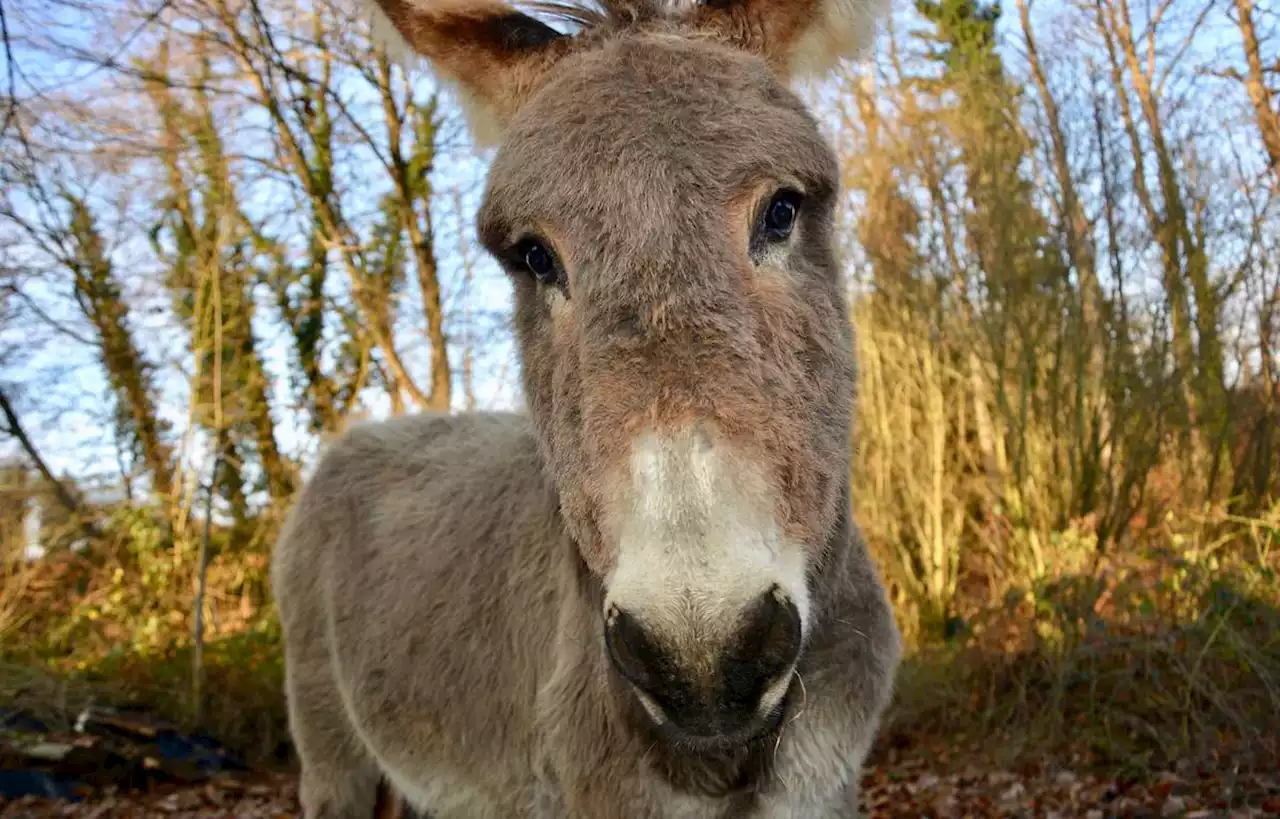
12	110
14	428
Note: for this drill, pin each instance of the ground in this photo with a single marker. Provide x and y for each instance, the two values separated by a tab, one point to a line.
907	787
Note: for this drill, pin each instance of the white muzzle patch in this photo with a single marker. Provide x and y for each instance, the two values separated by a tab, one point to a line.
698	540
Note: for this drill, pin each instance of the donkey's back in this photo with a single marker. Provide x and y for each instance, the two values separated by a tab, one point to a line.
414	584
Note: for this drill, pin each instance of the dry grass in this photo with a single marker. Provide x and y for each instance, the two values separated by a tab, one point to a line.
15	578
1139	667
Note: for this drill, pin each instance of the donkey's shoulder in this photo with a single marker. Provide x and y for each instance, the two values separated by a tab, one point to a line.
437	429
405	479
420	460
429	439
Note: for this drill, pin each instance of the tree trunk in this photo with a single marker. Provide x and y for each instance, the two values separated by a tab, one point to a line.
1164	233
101	300
413	188
1210	407
335	228
1259	92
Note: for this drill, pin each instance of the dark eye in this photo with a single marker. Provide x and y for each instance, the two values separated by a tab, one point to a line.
780	216
538	259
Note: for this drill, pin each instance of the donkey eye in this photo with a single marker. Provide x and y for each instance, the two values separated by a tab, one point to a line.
539	260
780	216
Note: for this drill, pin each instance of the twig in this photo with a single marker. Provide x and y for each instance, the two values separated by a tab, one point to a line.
111	61
197	654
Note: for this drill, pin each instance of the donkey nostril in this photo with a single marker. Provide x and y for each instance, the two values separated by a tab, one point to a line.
767	645
773	629
633	652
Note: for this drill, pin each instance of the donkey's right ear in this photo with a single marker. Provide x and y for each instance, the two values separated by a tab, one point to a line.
495	55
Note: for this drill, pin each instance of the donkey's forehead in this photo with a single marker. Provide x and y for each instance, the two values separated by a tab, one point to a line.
653	114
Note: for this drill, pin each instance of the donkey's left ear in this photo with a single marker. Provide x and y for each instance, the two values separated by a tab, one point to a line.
495	55
800	38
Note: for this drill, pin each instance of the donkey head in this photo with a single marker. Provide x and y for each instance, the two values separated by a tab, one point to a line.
664	206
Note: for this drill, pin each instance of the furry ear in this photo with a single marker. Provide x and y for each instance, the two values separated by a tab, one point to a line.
800	38
495	56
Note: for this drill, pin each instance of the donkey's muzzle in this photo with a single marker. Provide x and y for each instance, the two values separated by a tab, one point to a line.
732	689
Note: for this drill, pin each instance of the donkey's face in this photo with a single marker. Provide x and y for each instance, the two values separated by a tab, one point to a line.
664	205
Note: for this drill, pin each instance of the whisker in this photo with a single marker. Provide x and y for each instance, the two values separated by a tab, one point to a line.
800	709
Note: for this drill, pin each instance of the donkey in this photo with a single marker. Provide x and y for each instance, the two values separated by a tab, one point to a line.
645	596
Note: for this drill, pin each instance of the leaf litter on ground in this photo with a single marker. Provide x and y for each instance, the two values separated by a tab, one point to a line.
906	788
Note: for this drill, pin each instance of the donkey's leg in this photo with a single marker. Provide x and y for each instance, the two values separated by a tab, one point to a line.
391	805
339	777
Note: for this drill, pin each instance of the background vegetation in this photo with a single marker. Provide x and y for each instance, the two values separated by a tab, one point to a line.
228	227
